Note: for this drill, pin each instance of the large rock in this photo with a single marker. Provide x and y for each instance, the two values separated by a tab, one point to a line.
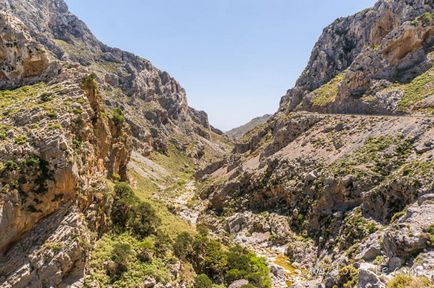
368	277
238	284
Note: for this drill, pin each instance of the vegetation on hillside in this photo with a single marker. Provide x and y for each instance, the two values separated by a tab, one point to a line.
327	93
137	248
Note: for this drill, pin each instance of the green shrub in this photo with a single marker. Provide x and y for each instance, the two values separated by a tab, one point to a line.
425	19
243	264
118	116
430	233
89	83
408	281
203	281
130	214
183	246
77	111
163	243
20	139
144	220
348	277
121	255
52	114
45	97
10	165
397	215
76	143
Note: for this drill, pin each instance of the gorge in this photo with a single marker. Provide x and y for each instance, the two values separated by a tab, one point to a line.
108	178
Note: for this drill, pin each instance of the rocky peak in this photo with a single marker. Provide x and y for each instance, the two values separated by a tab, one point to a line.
365	36
153	102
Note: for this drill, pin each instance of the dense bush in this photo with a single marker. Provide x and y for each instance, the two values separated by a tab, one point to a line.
130	214
242	264
203	281
209	257
163	243
118	116
183	246
120	259
348	277
408	281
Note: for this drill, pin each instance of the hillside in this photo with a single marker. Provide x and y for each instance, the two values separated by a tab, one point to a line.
336	189
108	178
378	61
78	120
239	132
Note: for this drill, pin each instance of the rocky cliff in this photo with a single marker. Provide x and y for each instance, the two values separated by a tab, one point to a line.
153	103
335	200
377	61
72	111
58	148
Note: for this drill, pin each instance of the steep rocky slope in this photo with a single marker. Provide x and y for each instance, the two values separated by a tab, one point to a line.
377	61
153	103
239	132
316	186
58	148
330	200
336	200
72	112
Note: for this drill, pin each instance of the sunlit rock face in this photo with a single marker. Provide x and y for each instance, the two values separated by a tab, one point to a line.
359	62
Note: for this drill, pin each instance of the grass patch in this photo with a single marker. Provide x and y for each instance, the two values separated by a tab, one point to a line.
418	89
11	97
177	163
327	93
124	261
424	19
170	224
378	156
20	139
408	281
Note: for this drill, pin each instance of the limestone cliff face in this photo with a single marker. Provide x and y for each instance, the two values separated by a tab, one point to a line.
342	195
71	111
154	103
364	63
58	147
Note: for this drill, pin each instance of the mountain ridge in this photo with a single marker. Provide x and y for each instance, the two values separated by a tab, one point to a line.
109	179
238	132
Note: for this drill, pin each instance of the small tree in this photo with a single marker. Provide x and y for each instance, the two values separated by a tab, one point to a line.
202	281
183	246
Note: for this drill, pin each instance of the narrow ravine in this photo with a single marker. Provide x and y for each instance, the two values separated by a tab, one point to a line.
282	273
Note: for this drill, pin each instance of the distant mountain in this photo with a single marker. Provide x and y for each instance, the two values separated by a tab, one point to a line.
239	132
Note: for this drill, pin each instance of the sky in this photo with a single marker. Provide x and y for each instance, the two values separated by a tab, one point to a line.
235	58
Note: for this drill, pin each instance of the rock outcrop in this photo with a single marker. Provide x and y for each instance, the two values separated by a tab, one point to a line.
370	63
153	102
71	111
58	148
341	183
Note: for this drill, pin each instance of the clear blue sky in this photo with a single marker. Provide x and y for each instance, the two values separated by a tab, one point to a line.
235	58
